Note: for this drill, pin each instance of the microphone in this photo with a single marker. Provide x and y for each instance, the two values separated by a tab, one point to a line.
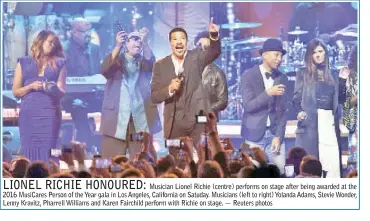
181	77
181	74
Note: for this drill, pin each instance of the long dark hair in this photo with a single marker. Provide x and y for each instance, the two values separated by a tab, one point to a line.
312	66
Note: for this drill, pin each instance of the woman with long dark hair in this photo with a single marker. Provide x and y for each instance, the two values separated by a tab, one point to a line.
39	81
316	102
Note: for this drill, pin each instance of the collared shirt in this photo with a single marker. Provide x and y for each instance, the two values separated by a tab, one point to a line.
268	84
178	65
131	101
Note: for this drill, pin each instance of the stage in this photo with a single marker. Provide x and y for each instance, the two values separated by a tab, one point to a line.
230	129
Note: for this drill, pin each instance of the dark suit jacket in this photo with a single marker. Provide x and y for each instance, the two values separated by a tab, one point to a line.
258	105
195	97
113	71
305	100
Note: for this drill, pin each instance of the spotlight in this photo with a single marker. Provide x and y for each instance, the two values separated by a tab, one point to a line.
137	16
230	5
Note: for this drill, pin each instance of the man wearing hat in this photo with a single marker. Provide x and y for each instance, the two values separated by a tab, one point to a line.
127	106
265	104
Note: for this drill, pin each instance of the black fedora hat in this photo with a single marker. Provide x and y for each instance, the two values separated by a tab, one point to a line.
272	44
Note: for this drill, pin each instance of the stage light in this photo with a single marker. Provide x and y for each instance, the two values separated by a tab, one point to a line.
231	17
137	16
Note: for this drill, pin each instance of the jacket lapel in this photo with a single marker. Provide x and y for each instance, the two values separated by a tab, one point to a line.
259	83
170	66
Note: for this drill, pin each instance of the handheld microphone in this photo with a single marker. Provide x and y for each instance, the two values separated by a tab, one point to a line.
181	77
181	74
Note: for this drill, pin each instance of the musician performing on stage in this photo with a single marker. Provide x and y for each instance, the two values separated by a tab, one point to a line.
40	81
315	99
63	81
177	81
127	107
83	59
265	104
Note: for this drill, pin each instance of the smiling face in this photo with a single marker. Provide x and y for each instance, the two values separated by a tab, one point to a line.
178	44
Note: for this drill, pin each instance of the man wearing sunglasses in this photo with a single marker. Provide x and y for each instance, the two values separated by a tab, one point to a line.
127	106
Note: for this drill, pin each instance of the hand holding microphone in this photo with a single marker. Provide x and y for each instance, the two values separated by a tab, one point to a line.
177	82
175	85
181	74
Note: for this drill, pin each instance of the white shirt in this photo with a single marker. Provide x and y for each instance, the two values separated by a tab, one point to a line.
268	84
178	66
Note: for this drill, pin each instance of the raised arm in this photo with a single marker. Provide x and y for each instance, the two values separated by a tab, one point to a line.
214	50
111	63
